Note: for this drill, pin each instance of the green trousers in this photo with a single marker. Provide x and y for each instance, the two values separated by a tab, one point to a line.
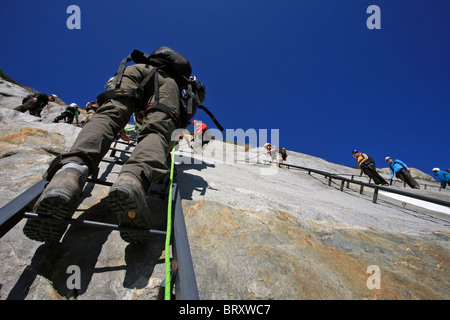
148	160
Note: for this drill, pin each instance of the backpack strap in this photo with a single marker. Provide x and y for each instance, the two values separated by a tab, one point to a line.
135	94
157	106
118	78
130	93
115	93
162	107
190	103
211	116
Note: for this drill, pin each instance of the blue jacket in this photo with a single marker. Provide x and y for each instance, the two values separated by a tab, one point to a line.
444	177
396	166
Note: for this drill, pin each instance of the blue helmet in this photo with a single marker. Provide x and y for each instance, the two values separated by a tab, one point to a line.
355	150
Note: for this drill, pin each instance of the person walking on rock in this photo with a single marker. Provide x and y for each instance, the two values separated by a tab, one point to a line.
69	114
444	177
91	108
160	99
273	152
283	154
400	170
367	165
35	103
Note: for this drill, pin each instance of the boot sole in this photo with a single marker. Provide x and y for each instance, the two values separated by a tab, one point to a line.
44	231
124	206
56	206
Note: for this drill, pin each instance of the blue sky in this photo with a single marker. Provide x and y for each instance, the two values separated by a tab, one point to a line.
311	69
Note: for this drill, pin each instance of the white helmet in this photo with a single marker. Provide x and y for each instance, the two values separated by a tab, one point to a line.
386	159
73	105
436	169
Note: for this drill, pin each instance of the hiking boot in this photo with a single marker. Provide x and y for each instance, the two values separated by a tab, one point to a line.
60	200
127	200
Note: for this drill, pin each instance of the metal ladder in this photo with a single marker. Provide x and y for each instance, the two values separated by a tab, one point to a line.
183	275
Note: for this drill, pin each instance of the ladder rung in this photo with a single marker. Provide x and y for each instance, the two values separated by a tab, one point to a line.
96	224
120	150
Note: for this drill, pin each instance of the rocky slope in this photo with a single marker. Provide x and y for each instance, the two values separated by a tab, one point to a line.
253	233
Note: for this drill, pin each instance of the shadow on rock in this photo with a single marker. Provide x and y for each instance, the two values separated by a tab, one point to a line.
81	247
190	182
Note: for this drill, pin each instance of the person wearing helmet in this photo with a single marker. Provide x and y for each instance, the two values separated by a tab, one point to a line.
443	176
35	103
91	108
367	165
401	171
69	114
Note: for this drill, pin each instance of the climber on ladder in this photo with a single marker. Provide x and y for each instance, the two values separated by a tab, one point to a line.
156	84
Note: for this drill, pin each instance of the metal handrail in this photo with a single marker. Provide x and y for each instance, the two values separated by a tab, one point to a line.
12	212
394	180
364	184
185	281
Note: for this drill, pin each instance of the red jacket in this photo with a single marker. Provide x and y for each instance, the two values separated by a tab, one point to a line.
200	129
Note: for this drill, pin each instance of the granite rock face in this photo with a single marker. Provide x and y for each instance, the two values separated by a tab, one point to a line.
242	254
254	233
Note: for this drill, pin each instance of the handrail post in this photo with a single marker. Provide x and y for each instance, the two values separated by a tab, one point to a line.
375	195
348	182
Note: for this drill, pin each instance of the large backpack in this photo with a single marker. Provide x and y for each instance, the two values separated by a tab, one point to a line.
177	67
28	97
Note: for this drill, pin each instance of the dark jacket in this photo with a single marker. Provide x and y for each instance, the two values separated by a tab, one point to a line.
42	101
